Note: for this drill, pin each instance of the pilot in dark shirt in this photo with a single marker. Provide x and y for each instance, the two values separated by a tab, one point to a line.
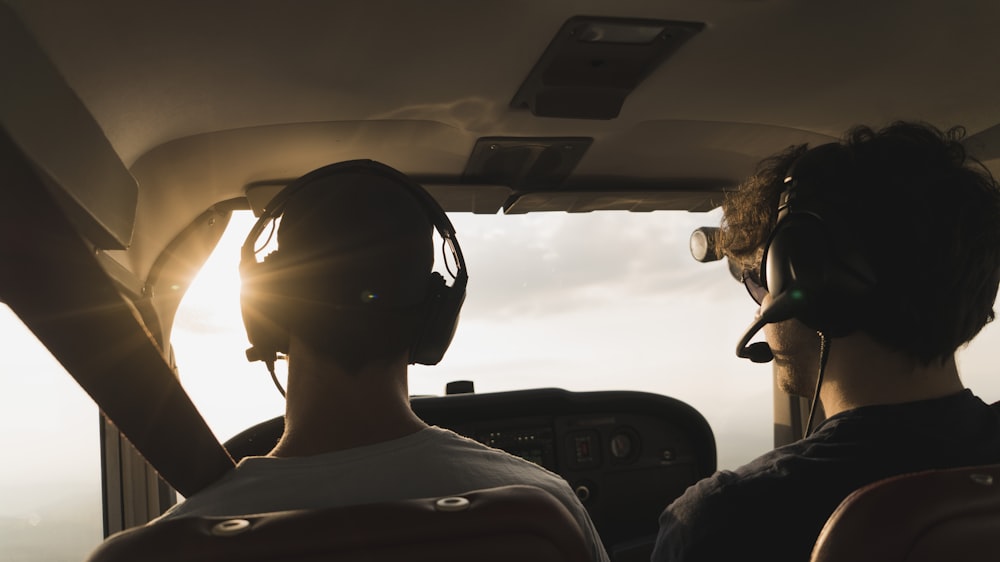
776	505
873	260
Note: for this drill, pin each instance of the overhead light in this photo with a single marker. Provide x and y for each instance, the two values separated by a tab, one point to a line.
594	63
611	32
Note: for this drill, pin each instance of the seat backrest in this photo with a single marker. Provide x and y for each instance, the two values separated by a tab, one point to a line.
951	515
506	523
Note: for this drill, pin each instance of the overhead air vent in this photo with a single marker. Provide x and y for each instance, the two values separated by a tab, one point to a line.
525	162
594	63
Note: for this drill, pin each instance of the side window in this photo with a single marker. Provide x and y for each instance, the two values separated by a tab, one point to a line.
209	343
50	480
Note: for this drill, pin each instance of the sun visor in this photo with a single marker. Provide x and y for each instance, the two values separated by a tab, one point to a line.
453	197
586	201
50	124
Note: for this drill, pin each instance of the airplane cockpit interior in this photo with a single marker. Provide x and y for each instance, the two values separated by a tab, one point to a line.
575	146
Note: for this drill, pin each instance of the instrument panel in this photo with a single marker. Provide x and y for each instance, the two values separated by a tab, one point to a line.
625	454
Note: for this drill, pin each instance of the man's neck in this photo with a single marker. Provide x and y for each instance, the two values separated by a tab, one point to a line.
862	372
329	409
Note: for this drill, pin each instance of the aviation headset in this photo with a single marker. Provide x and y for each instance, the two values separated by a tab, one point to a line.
812	266
812	253
441	303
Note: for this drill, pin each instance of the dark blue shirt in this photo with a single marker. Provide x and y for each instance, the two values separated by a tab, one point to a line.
774	507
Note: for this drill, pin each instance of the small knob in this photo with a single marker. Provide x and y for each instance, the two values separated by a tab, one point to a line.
452	504
230	527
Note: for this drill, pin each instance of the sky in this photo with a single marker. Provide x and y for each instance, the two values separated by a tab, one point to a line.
595	301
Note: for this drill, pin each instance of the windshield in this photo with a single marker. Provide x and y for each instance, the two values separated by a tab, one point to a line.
591	301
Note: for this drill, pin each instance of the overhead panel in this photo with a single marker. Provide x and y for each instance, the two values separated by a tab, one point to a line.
524	163
594	63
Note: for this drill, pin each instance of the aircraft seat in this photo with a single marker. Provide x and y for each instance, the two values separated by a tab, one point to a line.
497	524
951	514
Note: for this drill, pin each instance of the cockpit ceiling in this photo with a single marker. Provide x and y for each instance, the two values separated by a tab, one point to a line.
152	73
203	100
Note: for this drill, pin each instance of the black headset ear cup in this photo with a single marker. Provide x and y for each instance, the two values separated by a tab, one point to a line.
796	259
261	313
267	319
835	286
442	306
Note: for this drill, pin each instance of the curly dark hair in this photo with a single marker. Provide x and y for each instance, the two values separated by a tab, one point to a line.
929	218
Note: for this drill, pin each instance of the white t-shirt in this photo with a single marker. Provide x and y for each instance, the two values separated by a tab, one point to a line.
431	462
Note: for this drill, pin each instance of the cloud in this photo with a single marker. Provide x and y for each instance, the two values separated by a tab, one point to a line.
527	266
537	264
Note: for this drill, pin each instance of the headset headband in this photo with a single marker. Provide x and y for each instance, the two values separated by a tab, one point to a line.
442	303
438	218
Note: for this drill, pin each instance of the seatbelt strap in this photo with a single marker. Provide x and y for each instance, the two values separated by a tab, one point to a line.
51	279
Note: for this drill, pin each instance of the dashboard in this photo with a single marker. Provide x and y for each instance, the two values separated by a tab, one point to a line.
625	454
